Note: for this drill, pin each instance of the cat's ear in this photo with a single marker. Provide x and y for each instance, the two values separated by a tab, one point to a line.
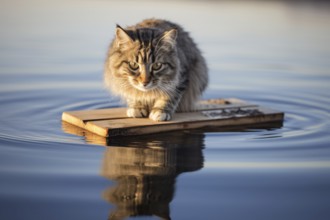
122	37
168	38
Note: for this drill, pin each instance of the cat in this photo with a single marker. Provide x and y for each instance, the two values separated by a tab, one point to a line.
155	67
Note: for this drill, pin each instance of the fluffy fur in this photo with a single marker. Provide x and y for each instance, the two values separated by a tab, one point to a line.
156	68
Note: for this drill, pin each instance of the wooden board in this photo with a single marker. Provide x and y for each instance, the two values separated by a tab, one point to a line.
210	113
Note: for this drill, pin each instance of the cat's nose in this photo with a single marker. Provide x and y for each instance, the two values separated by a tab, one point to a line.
145	83
144	79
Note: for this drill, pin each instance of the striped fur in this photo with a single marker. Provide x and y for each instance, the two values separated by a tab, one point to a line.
156	68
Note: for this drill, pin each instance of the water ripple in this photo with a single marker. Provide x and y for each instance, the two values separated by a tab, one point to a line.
305	123
34	116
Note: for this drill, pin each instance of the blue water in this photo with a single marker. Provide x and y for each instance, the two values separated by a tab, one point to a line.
275	54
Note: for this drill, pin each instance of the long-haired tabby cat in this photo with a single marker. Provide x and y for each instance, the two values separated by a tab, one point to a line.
156	68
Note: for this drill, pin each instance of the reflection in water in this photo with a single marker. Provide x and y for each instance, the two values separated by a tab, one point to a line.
145	172
144	168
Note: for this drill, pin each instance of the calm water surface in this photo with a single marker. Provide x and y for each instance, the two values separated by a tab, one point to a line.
274	54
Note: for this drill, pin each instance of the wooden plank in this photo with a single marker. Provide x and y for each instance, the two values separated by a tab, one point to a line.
93	138
79	118
180	121
90	115
211	113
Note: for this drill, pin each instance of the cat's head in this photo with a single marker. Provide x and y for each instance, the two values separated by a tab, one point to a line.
146	58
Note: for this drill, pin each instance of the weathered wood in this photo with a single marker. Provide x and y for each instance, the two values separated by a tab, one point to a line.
210	113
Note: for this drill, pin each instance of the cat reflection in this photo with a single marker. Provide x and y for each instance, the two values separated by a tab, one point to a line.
145	172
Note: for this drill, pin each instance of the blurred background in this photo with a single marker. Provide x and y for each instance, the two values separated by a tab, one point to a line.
272	53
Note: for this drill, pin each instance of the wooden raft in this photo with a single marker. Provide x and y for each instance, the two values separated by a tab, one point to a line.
211	113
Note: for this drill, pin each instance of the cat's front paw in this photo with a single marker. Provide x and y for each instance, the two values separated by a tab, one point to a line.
137	113
158	115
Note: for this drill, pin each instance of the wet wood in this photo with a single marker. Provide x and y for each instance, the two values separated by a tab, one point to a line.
210	113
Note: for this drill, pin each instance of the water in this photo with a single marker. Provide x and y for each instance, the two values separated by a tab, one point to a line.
275	54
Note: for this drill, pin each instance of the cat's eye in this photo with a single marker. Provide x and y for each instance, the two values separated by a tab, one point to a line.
157	66
133	66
